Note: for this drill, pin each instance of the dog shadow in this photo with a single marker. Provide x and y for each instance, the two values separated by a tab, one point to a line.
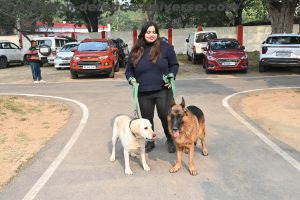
158	154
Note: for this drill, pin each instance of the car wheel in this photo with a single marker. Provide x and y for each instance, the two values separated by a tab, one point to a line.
122	63
74	75
25	60
189	57
3	62
207	71
261	68
194	61
245	70
117	67
204	63
112	73
45	50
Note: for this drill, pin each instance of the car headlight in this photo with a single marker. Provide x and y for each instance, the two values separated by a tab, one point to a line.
244	57
210	58
102	57
76	58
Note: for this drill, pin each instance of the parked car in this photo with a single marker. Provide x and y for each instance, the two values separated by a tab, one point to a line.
65	55
225	54
123	51
9	53
49	47
196	41
95	56
280	50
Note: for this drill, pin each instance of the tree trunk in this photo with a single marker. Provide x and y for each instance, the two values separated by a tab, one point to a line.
93	18
281	15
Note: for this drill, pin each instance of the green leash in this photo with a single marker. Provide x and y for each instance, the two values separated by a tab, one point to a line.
170	79
135	87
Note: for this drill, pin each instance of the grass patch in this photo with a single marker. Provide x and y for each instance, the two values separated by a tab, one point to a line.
13	106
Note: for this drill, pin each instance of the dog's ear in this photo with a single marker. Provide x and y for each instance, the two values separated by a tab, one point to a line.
182	103
173	102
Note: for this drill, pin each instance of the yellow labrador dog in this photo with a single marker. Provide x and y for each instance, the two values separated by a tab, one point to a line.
133	133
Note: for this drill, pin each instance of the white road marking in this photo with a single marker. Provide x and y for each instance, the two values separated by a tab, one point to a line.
31	194
178	78
274	146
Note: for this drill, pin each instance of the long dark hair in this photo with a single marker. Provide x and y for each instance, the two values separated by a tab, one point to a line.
138	49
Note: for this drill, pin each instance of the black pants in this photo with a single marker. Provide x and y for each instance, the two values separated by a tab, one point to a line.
162	100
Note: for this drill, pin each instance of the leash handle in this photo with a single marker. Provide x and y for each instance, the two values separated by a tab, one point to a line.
135	87
170	79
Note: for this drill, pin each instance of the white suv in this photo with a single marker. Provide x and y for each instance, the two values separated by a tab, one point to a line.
49	47
9	53
280	50
196	41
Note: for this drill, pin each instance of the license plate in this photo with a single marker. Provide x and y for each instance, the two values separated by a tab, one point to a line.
88	67
65	61
228	63
283	54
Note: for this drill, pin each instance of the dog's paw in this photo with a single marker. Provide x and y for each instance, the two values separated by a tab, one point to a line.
193	172
205	152
174	169
146	167
112	158
128	171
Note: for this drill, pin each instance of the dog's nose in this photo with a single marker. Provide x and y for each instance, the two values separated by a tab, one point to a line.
175	129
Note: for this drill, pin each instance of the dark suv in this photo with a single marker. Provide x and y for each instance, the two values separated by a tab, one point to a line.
123	51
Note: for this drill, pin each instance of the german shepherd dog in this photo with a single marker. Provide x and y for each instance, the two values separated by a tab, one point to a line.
186	125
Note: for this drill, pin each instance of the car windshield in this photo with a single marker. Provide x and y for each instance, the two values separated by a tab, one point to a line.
204	37
224	44
46	42
68	47
93	46
283	40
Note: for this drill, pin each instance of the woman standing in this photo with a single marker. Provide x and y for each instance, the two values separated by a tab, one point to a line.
149	60
35	63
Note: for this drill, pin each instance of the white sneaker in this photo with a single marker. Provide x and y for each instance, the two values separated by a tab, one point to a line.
42	81
35	81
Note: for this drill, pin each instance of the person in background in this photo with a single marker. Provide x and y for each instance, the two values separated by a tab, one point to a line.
35	63
150	59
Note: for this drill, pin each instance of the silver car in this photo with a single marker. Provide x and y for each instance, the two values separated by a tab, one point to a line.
64	56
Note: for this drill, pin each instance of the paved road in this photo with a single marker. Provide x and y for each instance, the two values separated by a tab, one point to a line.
239	164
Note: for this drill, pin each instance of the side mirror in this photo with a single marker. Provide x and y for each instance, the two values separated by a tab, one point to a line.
125	45
263	42
243	47
204	48
187	40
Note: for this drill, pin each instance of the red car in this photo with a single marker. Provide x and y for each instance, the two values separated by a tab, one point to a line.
224	55
94	56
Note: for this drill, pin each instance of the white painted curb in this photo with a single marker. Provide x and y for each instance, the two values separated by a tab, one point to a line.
63	153
271	144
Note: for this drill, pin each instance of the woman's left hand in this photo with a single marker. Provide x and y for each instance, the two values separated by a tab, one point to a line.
168	85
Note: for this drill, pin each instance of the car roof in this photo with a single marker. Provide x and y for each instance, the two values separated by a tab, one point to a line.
284	34
217	39
94	40
45	38
72	43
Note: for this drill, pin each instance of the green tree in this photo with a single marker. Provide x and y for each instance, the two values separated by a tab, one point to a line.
281	14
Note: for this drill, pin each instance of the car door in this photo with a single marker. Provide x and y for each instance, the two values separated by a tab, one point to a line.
18	56
8	51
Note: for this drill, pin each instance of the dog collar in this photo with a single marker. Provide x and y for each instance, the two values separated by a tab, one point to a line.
130	127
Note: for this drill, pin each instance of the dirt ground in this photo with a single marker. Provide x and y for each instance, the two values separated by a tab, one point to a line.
26	124
277	112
